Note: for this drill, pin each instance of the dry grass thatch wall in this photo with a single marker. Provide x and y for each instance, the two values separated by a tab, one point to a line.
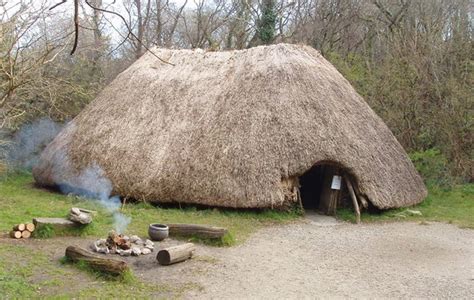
224	128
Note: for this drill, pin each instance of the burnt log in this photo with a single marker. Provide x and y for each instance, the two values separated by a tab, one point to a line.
95	261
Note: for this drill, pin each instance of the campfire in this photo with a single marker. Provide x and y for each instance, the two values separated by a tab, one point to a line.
123	245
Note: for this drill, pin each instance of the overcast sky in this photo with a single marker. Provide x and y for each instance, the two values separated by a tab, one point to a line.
67	9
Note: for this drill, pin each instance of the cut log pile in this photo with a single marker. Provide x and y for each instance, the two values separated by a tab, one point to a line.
22	230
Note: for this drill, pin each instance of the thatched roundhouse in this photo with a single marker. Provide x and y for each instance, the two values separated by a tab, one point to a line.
232	129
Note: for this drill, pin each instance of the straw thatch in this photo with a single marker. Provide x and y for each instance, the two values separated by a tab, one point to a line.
231	129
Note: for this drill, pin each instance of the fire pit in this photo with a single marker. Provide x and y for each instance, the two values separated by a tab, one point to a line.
123	245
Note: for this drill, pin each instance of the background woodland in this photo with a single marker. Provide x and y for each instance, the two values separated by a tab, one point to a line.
412	60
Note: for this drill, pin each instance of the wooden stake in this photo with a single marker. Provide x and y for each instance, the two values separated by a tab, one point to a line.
15	234
19	227
26	234
175	254
363	201
354	199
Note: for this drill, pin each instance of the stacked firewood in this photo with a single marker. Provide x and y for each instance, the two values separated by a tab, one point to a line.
22	230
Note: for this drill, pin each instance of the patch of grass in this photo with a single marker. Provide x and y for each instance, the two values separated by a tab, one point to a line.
226	241
454	205
26	274
17	266
126	277
20	201
44	232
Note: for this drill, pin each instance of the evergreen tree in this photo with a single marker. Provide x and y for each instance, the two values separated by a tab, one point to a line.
266	24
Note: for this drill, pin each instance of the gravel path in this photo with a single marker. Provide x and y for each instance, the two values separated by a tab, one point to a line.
319	259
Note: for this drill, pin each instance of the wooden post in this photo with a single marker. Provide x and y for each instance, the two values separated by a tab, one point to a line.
328	197
175	254
354	199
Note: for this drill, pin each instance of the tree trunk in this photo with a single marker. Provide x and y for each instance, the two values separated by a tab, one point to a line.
55	223
201	231
175	254
95	261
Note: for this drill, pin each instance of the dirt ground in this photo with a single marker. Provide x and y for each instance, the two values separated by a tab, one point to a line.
322	258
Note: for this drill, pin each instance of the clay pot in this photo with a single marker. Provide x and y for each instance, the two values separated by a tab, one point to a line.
158	232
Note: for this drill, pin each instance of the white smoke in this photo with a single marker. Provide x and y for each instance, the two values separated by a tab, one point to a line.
92	183
29	142
24	152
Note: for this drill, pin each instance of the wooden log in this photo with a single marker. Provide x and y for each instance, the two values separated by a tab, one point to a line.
55	223
175	254
201	231
15	234
25	234
87	211
30	227
19	227
354	199
96	261
77	216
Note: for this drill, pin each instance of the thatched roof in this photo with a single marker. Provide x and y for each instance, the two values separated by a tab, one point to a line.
226	128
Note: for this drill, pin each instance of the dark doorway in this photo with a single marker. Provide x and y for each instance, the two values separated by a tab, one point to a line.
315	188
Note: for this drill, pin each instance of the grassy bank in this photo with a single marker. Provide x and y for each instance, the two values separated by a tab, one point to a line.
451	205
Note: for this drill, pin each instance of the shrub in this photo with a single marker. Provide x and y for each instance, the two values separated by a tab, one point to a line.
433	167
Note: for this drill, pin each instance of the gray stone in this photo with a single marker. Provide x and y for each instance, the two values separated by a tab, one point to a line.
149	244
124	252
146	251
136	251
